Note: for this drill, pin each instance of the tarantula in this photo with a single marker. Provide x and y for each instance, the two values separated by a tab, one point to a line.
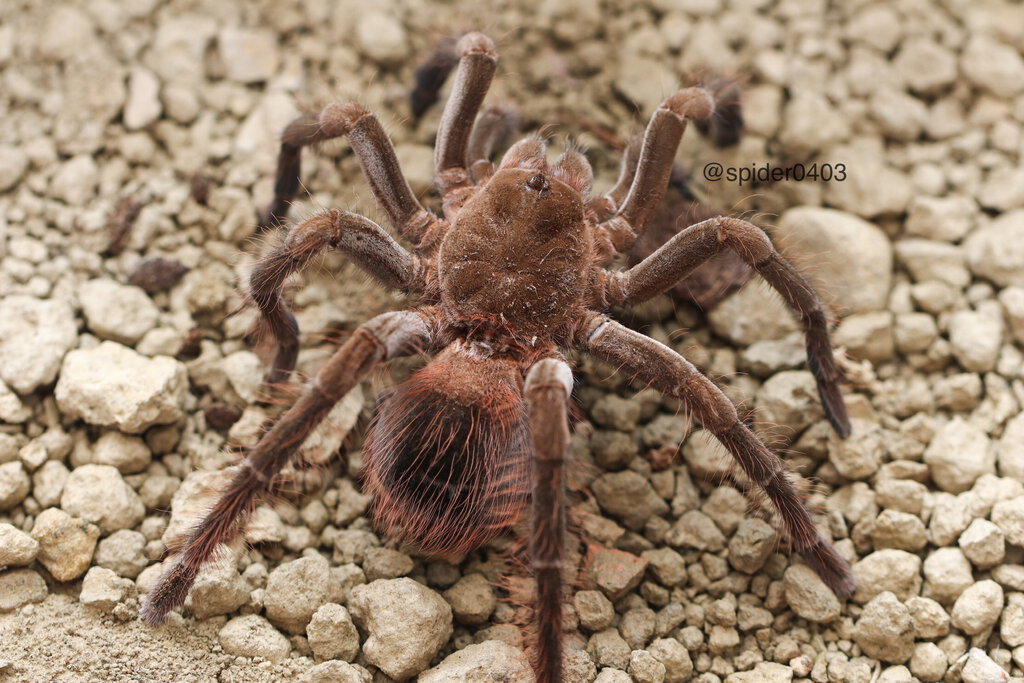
515	270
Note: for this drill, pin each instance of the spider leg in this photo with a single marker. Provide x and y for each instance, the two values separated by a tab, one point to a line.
385	337
376	154
672	374
492	129
430	77
360	239
547	389
699	242
477	63
654	167
607	204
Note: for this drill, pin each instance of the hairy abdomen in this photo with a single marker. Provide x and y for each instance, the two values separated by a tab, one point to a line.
448	456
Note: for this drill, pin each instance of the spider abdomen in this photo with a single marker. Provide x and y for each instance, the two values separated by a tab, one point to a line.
448	455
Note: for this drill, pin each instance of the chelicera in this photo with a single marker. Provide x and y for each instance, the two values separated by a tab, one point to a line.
513	273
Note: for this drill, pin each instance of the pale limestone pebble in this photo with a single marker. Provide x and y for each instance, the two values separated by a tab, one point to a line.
856	501
351	503
850	258
629	497
675	657
67	30
95	81
810	123
867	336
123	552
472	600
104	589
947	574
980	668
66	543
645	81
665	430
385	563
876	25
885	630
808	596
978	607
638	623
74	183
889	570
942	219
248	55
615	572
616	412
960	392
20	587
667	566
1012	300
13	164
789	400
608	649
765	358
491	661
14	485
983	544
645	667
332	635
993	65
129	454
121	313
872	188
254	636
1008	515
17	549
763	672
904	495
142	106
381	37
192	499
48	483
335	671
594	610
925	66
295	590
928	663
958	455
98	494
950	517
930	619
610	675
218	589
417	162
178	47
34	336
406	624
996	251
1002	189
157	491
751	545
754	313
1010	449
1011	622
933	260
900	116
977	336
244	371
12	410
902	530
112	385
696	530
859	455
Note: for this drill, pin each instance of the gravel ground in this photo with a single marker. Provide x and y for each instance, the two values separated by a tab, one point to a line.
163	116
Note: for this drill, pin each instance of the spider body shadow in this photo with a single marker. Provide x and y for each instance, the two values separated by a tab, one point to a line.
514	271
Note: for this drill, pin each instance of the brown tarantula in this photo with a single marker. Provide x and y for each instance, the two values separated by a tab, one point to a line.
477	439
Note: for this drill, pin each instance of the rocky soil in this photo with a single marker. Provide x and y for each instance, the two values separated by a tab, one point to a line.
137	145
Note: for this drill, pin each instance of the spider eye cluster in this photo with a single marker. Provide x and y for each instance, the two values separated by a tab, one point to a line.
538	183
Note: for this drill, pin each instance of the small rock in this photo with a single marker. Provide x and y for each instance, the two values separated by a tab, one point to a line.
891	570
157	274
12	410
249	55
925	66
607	648
616	412
1008	515
933	260
17	549
978	607
628	496
958	455
385	563
808	595
98	494
332	635
1011	623
947	574
853	258
219	589
295	590
66	544
983	544
696	530
675	657
129	454
406	624
111	385
14	485
928	662
645	667
810	123
13	164
244	371
884	630
123	552
121	313
930	620
790	400
615	572
895	529
48	483
334	671
594	610
34	336
637	626
488	662
471	599
754	313
976	336
754	541
763	672
979	668
868	336
944	219
253	636
382	38
143	104
993	66
996	251
103	589
74	183
859	455
668	566
19	587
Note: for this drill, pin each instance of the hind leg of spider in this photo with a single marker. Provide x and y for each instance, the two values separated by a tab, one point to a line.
385	337
493	128
548	385
699	242
673	375
359	238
